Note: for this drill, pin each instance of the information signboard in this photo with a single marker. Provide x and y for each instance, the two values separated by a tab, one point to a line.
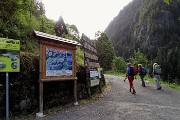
9	55
58	62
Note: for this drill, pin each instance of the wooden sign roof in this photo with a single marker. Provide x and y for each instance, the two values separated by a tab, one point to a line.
55	38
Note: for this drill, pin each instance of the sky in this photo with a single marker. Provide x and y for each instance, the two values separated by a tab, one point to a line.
89	16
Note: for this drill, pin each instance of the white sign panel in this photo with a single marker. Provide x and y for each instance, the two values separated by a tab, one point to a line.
94	77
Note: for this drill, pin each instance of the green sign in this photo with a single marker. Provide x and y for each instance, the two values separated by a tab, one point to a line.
9	44
9	55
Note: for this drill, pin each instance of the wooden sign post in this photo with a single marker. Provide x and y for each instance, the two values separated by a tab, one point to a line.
57	62
91	63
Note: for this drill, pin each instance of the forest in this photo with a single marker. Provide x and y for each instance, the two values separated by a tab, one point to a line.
18	20
145	31
150	28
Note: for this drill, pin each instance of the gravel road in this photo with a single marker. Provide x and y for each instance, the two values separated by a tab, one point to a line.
120	104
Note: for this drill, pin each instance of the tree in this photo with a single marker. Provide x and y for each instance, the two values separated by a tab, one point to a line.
105	51
73	32
47	25
60	27
167	1
119	64
139	58
19	17
169	59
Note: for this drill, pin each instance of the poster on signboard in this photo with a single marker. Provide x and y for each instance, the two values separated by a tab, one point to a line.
94	77
58	62
9	55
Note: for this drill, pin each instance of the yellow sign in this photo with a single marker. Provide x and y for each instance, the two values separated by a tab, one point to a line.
9	44
9	55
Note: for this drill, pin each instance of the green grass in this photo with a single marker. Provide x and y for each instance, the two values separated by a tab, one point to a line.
171	85
79	56
147	78
114	73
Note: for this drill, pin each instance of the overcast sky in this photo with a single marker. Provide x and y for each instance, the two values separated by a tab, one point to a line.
89	16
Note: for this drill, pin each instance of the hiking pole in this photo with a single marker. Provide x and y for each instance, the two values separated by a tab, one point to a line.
125	79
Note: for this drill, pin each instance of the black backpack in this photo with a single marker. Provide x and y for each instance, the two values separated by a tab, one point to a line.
131	72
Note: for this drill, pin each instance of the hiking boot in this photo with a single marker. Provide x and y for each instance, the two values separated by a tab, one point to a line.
134	92
143	84
159	88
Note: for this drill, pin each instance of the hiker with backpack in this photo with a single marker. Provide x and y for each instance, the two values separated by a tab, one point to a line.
135	68
142	73
130	75
156	74
135	71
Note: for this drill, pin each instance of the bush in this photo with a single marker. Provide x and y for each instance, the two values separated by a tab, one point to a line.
119	64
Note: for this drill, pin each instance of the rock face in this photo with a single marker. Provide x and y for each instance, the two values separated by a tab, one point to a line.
153	27
147	25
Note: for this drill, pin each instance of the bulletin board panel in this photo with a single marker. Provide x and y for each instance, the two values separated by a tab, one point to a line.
57	62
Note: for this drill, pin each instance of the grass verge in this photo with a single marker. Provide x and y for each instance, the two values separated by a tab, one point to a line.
115	73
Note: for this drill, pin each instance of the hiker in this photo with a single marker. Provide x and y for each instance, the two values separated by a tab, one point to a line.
142	73
135	68
135	71
130	76
156	74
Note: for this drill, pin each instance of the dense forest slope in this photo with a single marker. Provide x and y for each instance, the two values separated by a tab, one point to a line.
18	18
151	26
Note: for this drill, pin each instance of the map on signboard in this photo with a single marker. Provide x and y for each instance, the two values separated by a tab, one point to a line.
58	62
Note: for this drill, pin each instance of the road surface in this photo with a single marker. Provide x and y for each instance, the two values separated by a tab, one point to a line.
120	104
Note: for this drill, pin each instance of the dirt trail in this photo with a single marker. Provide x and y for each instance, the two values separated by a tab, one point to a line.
120	104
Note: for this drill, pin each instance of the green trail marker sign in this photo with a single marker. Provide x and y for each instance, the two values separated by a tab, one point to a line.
9	62
9	55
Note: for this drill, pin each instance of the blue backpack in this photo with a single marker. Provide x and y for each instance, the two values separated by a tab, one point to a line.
143	71
131	72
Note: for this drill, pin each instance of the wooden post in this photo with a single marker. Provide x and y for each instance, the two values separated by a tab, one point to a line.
41	96
75	81
88	81
75	92
40	113
88	86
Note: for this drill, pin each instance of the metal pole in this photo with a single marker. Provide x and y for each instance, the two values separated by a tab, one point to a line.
7	96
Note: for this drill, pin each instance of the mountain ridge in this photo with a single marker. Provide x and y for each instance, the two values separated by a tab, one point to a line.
151	26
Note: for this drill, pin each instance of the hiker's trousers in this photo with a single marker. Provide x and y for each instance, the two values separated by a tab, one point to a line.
158	82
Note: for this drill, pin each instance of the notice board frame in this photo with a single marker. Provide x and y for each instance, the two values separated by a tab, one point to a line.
42	60
46	40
